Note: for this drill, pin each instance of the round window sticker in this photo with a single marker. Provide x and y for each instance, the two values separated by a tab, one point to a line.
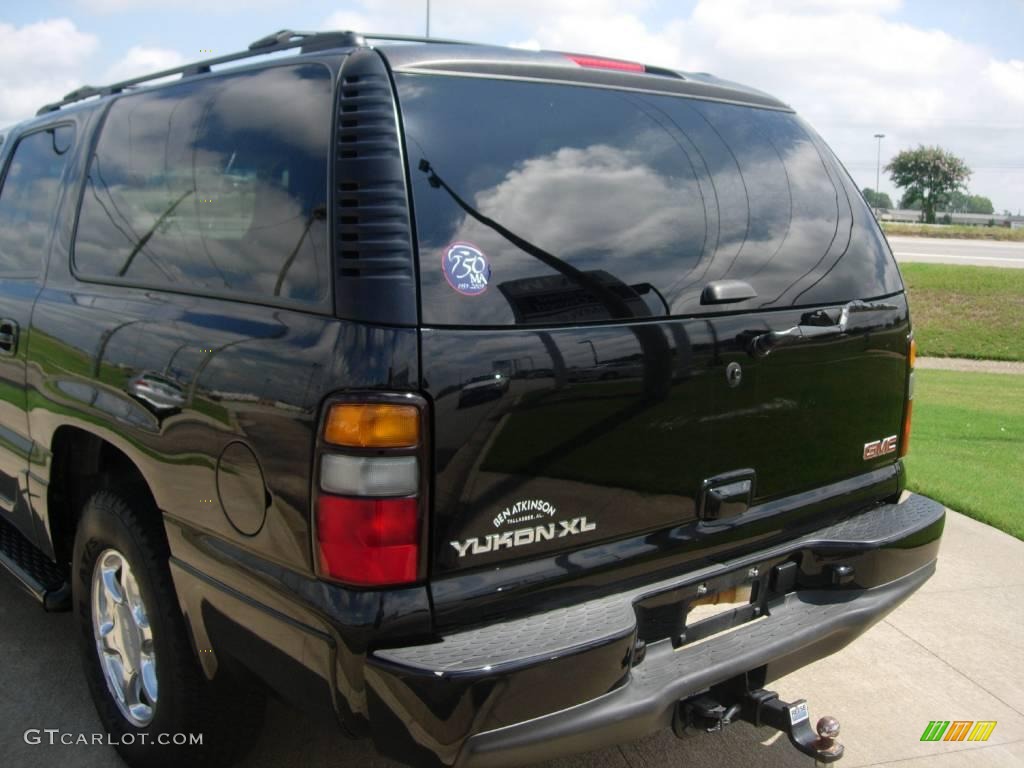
466	268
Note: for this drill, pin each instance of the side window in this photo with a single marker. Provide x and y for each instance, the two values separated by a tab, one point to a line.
31	189
215	185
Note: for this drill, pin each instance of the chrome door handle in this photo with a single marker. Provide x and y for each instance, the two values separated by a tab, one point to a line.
762	344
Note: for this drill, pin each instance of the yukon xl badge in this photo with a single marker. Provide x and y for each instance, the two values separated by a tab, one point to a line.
879	447
527	511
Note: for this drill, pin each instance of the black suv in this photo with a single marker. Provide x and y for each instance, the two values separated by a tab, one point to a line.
500	404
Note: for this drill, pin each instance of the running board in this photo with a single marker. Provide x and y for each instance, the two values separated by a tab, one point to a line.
41	577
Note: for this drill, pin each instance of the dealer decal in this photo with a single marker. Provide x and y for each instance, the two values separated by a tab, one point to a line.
525	511
466	268
521	514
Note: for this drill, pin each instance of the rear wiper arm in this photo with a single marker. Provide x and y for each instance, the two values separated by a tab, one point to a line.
762	344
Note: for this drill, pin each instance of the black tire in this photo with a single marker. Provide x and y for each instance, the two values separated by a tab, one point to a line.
227	714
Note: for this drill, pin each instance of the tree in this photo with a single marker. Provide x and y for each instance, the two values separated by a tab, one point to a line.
964	202
928	174
876	199
979	204
956	202
909	205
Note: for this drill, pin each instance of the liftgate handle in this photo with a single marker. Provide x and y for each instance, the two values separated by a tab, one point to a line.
763	343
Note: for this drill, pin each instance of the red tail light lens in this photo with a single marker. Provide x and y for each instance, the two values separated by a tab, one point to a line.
368	542
594	62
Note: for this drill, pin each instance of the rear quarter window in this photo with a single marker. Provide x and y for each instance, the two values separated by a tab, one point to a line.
573	204
215	185
30	191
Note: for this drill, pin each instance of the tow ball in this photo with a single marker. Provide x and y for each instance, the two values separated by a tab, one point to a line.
760	707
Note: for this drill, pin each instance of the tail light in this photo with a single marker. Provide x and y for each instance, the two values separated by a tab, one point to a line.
908	408
371	491
368	542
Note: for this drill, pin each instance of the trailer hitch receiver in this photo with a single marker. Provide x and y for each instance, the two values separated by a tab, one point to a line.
762	707
759	707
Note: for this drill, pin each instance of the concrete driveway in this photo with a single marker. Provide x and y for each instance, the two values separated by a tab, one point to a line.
955	651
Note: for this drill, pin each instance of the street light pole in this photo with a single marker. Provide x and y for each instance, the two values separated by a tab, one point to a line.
878	164
428	18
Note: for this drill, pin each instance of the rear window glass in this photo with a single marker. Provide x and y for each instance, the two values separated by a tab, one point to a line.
216	185
547	203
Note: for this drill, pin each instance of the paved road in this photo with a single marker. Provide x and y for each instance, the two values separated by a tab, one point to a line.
980	253
953	651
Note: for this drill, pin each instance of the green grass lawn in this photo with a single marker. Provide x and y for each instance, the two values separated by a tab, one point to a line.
967	445
958	231
967	311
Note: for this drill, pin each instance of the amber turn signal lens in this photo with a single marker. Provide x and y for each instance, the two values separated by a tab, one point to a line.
373	425
905	432
912	354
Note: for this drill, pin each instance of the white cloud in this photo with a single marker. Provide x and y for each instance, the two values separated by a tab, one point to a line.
367	22
223	6
1008	78
638	209
848	67
468	19
39	63
831	6
140	60
621	35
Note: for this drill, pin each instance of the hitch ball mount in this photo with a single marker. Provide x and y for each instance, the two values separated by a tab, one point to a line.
760	707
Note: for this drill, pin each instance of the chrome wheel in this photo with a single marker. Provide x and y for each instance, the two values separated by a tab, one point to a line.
124	639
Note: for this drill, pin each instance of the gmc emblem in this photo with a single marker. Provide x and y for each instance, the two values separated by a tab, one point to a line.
879	447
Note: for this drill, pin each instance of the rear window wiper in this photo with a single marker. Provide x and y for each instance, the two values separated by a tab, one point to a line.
816	325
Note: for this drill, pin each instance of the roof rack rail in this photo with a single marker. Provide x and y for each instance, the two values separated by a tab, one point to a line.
415	39
282	40
279	41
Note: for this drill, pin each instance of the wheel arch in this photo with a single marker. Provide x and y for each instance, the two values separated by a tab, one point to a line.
82	462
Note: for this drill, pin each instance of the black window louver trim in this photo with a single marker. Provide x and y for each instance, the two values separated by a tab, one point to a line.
375	275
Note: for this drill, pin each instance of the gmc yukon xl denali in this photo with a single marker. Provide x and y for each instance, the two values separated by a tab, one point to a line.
498	404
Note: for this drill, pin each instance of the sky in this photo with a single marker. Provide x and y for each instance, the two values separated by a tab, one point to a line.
918	71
